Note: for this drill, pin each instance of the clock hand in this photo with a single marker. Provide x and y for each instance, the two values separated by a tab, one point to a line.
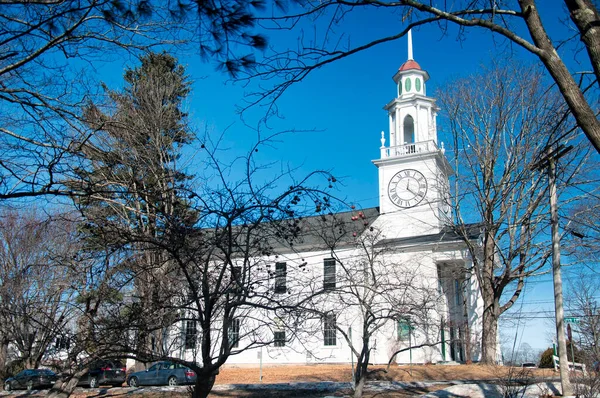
408	187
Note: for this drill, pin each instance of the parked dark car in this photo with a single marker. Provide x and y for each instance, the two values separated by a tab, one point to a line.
31	379
102	372
162	373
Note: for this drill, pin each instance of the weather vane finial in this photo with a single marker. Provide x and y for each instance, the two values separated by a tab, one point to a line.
410	51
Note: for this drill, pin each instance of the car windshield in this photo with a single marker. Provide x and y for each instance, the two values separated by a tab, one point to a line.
154	367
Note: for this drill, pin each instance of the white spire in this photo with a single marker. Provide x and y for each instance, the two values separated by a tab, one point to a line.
410	52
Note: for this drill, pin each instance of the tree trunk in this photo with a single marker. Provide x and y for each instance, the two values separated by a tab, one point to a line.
490	302
581	109
586	18
360	378
360	374
64	388
3	356
489	340
203	386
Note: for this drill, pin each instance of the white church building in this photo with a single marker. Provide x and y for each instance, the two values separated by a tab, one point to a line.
414	268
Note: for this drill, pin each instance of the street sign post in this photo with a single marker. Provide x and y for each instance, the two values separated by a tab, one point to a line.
572	320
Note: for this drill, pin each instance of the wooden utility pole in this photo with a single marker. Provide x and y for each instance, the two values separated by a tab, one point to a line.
550	162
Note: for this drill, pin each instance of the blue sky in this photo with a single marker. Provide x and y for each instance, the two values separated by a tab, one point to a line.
337	111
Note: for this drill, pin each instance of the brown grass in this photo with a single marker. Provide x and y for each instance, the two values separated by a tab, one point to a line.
311	373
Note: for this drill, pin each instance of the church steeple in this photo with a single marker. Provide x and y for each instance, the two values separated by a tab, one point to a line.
413	171
412	114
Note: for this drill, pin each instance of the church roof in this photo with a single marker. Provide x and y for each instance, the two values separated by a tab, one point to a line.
408	65
324	231
446	235
336	230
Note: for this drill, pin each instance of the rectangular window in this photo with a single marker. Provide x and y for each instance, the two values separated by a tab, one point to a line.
63	343
279	338
234	333
329	329
329	274
280	277
190	334
403	330
236	279
457	293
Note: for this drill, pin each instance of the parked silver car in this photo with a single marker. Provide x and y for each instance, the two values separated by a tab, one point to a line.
162	373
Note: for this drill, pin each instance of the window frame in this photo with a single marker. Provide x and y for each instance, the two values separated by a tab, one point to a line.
190	335
329	278
280	285
279	338
330	330
233	333
236	279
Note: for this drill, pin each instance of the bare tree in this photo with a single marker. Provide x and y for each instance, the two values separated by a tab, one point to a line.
36	290
518	23
377	293
582	303
501	120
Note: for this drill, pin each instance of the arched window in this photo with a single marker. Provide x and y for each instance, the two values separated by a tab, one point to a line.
409	130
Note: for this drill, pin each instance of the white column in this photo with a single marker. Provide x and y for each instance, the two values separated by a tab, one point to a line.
418	128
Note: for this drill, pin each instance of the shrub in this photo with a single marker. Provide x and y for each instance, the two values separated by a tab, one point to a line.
546	359
12	368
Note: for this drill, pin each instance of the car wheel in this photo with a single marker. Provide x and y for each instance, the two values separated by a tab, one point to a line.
172	381
133	382
93	382
30	385
7	387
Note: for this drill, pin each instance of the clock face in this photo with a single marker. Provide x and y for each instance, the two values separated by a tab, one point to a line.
407	188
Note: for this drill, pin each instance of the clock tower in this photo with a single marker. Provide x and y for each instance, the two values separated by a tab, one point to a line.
413	170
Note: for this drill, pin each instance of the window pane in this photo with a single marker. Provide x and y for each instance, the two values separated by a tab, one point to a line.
329	331
329	274
190	334
234	333
280	277
279	339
